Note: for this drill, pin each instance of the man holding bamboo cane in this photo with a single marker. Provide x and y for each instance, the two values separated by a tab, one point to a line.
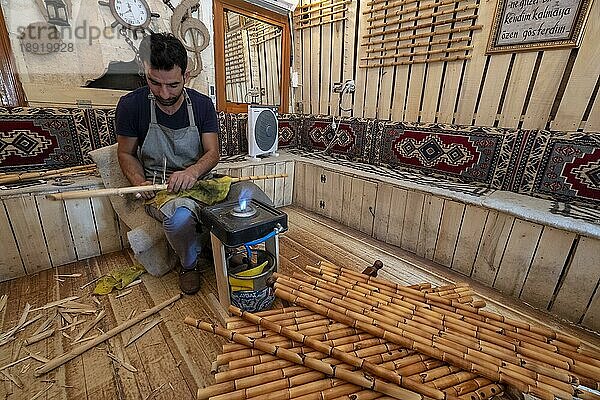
167	128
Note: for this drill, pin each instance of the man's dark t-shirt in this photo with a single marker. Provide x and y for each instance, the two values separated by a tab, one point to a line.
133	114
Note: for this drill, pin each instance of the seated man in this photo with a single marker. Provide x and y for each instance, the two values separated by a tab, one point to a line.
167	126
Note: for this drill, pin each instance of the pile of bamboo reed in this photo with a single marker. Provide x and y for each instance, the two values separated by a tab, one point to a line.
297	353
56	173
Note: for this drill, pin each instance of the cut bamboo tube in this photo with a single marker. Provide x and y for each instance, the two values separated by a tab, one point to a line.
348	376
12	178
419	44
40	336
525	350
426	25
329	21
410	10
420	17
419	53
60	360
405	339
423	35
84	194
303	21
410	62
314	9
347	358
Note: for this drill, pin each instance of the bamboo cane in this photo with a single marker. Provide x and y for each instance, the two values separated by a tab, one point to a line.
420	17
409	10
314	9
459	308
383	373
419	53
407	340
84	194
526	349
419	44
12	178
590	371
349	376
423	35
410	62
426	25
60	360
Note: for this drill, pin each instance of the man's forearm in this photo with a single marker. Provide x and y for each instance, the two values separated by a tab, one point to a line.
132	169
207	162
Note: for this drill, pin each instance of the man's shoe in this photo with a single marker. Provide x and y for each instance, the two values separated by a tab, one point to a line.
189	281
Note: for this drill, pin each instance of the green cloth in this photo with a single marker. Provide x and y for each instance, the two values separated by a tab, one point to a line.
209	192
118	278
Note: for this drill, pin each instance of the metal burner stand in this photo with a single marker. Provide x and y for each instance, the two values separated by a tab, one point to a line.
230	231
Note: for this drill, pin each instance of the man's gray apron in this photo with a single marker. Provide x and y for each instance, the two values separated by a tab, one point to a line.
179	147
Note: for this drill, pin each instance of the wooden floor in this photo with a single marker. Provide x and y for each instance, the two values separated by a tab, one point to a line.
172	360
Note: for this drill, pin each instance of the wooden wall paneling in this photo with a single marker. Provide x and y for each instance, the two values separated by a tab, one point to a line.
518	85
270	183
361	73
518	256
397	213
346	186
260	170
492	89
333	209
591	319
24	219
57	231
493	242
375	90
356	197
276	66
107	225
417	77
299	193
382	210
452	216
316	68
546	86
367	215
337	64
475	66
81	219
306	70
11	265
430	226
548	263
580	282
321	191
452	76
289	183
432	87
593	122
471	231
583	77
349	63
311	177
412	220
279	184
326	67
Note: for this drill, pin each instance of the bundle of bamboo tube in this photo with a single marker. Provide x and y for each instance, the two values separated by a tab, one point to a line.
56	173
262	364
534	360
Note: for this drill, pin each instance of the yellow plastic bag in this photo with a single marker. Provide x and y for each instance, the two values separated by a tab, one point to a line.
246	284
208	191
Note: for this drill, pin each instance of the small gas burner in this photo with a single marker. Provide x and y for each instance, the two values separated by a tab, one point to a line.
235	227
248	211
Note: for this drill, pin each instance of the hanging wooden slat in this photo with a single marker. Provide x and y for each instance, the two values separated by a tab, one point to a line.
427	25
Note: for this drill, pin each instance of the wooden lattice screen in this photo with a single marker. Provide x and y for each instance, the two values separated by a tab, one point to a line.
412	31
320	13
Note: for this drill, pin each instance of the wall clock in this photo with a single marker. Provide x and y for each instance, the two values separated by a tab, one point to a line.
130	14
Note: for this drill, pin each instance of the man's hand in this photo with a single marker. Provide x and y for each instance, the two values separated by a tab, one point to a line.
146	195
181	180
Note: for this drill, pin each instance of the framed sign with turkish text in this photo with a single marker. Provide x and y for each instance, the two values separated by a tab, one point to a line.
534	24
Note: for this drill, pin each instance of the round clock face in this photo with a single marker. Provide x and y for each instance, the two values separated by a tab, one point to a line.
131	13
